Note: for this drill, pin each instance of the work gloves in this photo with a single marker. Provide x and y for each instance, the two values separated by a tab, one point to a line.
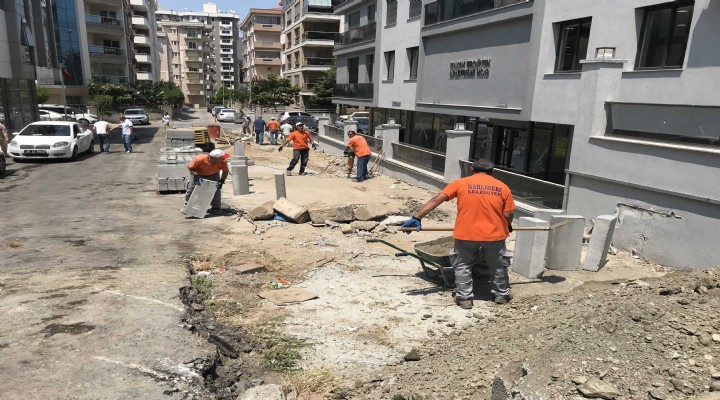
220	184
280	148
314	146
413	222
510	227
197	180
345	153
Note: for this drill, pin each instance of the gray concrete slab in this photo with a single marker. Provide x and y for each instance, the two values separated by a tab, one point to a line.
200	200
603	228
566	246
530	248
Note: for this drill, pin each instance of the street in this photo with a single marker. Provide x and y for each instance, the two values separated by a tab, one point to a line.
90	266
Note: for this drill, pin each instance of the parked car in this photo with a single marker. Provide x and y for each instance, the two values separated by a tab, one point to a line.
3	164
137	116
216	110
310	123
75	114
355	115
287	114
210	107
363	124
46	115
226	115
51	139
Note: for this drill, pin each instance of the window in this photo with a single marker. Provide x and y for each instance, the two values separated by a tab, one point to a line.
174	42
192	45
175	54
372	9
664	35
391	16
354	20
176	65
390	65
353	68
369	65
173	30
412	54
415	8
176	77
572	45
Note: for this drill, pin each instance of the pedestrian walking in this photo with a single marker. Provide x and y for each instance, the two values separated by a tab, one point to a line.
274	128
127	133
484	212
301	151
166	120
102	128
286	129
4	139
359	146
205	170
260	126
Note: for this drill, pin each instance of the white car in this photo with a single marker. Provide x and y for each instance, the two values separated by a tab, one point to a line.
46	115
84	118
51	139
226	115
287	114
355	115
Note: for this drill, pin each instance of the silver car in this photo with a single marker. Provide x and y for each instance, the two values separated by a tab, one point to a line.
137	116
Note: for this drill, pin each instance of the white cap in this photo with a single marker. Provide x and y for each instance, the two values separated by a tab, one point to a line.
299	123
217	153
273	118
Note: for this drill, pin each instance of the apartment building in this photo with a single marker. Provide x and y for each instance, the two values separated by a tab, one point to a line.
261	30
147	44
203	51
307	40
590	107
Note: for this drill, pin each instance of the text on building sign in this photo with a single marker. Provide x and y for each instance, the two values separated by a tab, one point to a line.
470	69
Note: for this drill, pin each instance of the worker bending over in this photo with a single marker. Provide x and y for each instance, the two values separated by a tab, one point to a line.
484	212
362	152
208	167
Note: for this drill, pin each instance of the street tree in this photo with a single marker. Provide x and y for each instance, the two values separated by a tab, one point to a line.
274	91
42	93
323	89
149	94
223	96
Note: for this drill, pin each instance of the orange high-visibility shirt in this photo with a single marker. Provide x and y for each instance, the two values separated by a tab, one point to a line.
300	140
202	165
359	145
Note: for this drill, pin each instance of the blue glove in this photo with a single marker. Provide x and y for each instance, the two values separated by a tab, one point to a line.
314	146
413	222
196	180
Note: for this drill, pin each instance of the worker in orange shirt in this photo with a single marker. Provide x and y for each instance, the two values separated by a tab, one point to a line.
484	212
301	151
362	153
205	170
274	128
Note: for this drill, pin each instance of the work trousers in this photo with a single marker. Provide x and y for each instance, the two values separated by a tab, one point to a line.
466	253
104	142
362	170
259	136
273	137
207	180
301	155
127	142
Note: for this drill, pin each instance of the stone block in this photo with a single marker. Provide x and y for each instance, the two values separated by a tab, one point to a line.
262	212
530	248
566	246
603	228
264	392
331	213
249	268
347	229
546	215
292	211
364	225
370	212
200	200
394	220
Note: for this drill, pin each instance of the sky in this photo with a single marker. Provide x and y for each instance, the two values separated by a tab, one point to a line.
240	7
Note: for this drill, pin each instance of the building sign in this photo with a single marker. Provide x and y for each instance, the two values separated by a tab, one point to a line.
470	69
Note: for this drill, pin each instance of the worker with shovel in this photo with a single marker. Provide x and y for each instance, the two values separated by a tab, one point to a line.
484	212
205	170
360	148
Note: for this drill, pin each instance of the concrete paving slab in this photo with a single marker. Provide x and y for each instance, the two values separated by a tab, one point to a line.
530	248
566	247
603	228
200	200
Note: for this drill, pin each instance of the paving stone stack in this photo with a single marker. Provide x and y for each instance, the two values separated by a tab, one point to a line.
180	138
172	167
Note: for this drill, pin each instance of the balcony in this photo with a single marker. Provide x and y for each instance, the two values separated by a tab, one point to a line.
362	34
139	22
226	60
194	72
116	79
189	60
267	27
144	76
267	45
228	79
192	36
266	61
318	61
196	92
99	24
141	40
195	81
143	58
437	11
224	32
105	51
226	51
320	37
139	5
224	69
354	90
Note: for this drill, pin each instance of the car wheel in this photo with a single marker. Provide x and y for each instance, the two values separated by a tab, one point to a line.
74	155
91	149
2	167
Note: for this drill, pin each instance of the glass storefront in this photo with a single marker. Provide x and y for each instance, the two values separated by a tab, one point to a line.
17	103
68	40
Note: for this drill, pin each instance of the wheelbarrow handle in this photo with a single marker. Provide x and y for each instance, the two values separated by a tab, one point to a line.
404	253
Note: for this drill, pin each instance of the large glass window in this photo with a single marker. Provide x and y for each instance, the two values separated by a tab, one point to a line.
369	65
391	18
415	8
665	34
68	40
572	45
412	54
371	12
354	20
353	69
390	65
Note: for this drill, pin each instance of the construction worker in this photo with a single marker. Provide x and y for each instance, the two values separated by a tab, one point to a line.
260	126
300	139
362	153
274	128
485	210
207	167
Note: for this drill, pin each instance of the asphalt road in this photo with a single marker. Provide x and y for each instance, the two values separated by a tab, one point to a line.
90	266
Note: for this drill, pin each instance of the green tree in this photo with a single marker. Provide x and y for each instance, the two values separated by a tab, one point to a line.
241	95
274	91
223	96
42	93
119	94
324	87
149	93
103	102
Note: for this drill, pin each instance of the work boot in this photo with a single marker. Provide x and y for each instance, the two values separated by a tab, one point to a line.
503	299
288	173
464	303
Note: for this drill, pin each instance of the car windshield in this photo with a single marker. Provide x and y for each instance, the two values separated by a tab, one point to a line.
134	112
46	130
227	110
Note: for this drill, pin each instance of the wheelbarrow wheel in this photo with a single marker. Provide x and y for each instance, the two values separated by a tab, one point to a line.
431	273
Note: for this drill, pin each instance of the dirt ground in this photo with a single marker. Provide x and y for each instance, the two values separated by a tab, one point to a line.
380	328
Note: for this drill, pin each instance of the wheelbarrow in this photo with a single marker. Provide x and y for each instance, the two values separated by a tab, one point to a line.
434	257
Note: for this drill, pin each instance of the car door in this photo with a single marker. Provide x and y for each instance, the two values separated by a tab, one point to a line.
83	139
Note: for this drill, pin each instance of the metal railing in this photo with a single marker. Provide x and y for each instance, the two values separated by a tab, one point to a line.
419	157
319	61
530	190
319	35
445	10
110	78
100	20
362	34
335	132
354	90
114	51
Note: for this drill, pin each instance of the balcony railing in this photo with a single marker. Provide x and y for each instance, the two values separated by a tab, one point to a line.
104	21
445	10
354	90
358	35
314	61
316	35
116	79
113	51
422	158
